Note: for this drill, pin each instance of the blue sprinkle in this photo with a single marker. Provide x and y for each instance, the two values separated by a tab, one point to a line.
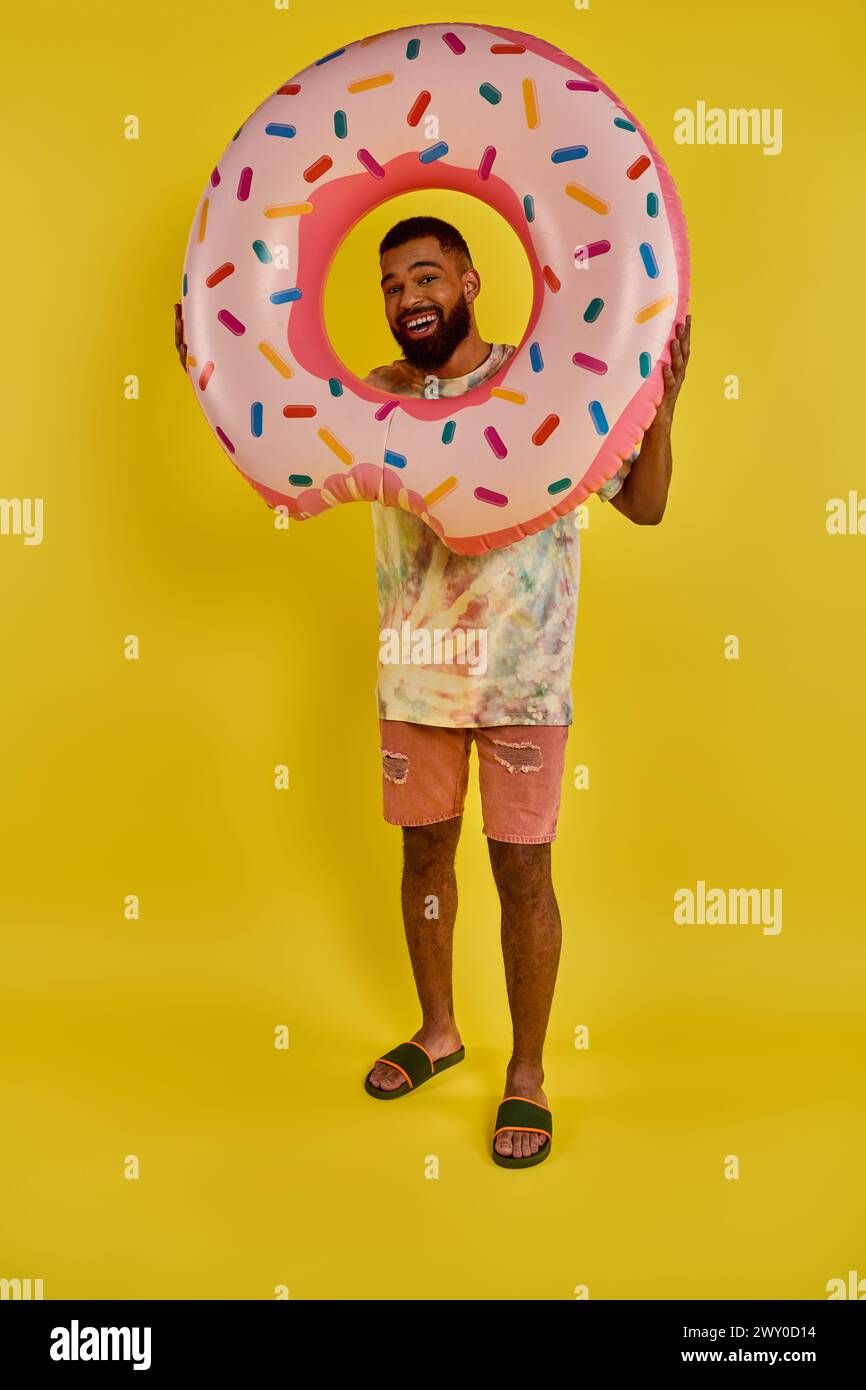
185	283
645	364
562	156
652	204
285	296
274	128
341	125
434	152
559	486
449	431
535	358
256	419
413	48
395	460
623	123
328	56
262	252
490	93
598	417
529	207
335	386
647	255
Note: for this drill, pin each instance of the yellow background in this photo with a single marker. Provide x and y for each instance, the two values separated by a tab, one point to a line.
260	907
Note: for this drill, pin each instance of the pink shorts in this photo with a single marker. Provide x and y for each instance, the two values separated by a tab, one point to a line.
425	772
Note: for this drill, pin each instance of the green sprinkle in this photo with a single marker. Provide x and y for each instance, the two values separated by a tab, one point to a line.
490	93
592	310
413	48
262	252
341	125
300	480
560	485
645	363
449	431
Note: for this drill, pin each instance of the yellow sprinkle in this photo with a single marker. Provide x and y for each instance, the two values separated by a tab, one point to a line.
530	102
191	361
288	209
442	490
272	356
653	308
365	84
339	449
589	200
203	219
518	397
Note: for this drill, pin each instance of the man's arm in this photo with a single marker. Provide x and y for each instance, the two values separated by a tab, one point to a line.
644	494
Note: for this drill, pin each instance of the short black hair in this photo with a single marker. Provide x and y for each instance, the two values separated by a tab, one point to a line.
411	228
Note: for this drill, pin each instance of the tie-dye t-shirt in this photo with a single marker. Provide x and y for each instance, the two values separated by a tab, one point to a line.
505	619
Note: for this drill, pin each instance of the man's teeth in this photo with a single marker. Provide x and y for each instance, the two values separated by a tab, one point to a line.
420	322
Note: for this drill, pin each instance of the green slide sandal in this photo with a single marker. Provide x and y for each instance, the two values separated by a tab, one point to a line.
416	1064
516	1112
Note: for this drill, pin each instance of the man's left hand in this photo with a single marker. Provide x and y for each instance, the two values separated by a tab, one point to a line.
674	375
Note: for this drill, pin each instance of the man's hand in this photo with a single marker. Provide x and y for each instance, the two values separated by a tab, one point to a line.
178	335
674	375
644	494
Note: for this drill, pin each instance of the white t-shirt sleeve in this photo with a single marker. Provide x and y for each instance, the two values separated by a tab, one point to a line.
609	489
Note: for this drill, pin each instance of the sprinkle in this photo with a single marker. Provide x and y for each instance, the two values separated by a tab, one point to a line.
328	56
516	397
598	417
229	321
582	254
644	364
490	93
214	178
507	48
592	310
318	168
245	183
271	355
653	308
395	460
413	48
529	207
339	449
639	167
418	107
300	479
652	205
530	103
335	386
496	499
341	125
568	152
449	431
487	162
495	442
589	200
299	412
202	222
440	490
286	296
206	374
237	132
552	278
536	360
289	89
366	84
256	415
221	273
262	252
288	209
623	123
191	361
575	85
434	152
560	485
185	283
647	255
592	364
545	429
456	45
276	128
225	439
370	164
385	410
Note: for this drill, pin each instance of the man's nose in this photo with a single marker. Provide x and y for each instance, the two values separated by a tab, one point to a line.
410	298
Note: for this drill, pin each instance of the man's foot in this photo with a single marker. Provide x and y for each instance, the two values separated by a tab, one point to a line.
517	1143
438	1044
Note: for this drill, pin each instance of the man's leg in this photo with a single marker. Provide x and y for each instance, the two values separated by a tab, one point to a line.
521	784
425	771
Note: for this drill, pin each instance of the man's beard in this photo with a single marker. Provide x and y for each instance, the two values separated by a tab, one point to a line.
428	353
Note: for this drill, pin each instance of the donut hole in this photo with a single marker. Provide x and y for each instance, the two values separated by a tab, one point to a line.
353	305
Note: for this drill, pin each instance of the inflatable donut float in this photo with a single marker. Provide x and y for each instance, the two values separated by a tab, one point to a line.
538	137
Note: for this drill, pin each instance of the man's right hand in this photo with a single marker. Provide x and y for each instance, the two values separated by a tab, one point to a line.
178	335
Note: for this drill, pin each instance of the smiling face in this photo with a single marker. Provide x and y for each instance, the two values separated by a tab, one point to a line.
428	294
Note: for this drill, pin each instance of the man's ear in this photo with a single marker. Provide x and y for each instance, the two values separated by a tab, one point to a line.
471	284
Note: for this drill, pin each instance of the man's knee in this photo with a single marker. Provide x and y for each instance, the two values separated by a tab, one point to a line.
427	847
521	871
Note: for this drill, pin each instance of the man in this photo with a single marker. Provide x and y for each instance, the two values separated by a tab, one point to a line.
523	599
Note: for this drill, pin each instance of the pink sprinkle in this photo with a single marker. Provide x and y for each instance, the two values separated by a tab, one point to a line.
245	183
495	443
592	364
496	499
582	254
456	45
214	178
385	410
575	86
206	374
229	321
225	439
371	165
487	162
